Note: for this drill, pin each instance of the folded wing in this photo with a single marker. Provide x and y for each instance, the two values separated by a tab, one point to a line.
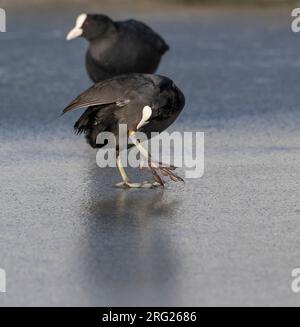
104	93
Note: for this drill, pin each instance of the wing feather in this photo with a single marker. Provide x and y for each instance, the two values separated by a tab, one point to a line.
104	93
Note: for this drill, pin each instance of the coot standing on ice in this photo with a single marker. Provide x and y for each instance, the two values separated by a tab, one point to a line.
118	47
144	102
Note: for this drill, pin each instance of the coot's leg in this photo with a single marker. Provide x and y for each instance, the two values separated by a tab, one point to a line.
126	184
154	167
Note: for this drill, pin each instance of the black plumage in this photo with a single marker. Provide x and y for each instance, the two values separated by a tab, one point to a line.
121	100
118	47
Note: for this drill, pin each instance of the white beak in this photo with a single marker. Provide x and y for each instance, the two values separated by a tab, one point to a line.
77	30
147	112
74	33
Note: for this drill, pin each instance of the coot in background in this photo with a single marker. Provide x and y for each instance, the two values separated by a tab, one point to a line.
118	47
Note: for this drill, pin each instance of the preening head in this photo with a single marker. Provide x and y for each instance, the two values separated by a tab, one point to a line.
90	26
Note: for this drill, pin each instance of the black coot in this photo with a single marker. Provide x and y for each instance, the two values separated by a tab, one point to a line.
117	48
144	102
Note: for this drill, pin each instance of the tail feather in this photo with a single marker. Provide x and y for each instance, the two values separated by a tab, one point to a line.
92	122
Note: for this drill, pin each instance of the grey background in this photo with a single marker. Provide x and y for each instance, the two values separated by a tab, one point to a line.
67	237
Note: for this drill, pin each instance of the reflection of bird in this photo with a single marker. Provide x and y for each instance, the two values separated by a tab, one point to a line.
118	48
145	103
125	246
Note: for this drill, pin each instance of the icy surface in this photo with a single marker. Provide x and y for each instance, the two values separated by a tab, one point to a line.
67	237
